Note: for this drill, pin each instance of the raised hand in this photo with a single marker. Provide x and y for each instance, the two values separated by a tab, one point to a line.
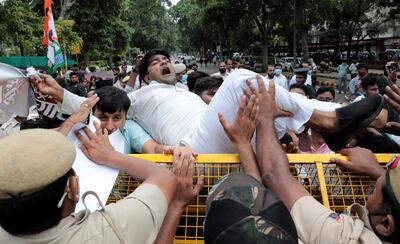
185	191
84	110
48	86
242	129
98	147
266	99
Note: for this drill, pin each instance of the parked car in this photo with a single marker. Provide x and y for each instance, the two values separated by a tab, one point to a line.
290	63
395	53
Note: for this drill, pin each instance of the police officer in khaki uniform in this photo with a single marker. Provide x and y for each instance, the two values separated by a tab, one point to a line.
379	220
39	191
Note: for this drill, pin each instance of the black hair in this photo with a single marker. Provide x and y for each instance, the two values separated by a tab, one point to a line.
300	86
144	65
72	74
302	73
112	100
368	81
193	77
206	83
35	123
324	89
61	82
383	81
378	143
362	65
36	212
277	64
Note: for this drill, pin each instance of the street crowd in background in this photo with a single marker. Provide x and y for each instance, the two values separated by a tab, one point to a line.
163	106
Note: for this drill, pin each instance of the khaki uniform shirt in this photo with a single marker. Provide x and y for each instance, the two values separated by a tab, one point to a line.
137	218
318	224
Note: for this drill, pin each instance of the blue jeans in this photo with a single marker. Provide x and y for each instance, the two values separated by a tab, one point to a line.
342	81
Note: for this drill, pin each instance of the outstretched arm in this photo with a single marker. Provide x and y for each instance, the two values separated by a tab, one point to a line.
98	149
49	86
241	131
79	115
185	192
272	161
361	161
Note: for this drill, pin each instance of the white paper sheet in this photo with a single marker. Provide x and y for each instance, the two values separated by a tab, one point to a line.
92	176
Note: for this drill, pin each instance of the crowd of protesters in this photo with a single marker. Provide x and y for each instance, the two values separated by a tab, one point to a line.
160	107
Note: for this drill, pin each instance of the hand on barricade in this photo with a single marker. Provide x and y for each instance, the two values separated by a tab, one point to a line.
180	152
361	161
242	129
266	98
98	147
185	190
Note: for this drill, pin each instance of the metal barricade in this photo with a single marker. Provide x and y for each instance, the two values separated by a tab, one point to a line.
334	187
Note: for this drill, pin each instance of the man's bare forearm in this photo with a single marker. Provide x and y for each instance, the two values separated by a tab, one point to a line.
248	159
270	156
274	165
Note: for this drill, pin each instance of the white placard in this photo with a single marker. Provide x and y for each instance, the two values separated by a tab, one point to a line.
92	176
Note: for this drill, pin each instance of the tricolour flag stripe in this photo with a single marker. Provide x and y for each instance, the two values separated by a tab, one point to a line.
54	53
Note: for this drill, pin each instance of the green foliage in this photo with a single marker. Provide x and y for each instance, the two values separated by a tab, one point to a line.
154	28
69	39
105	29
20	27
188	17
100	25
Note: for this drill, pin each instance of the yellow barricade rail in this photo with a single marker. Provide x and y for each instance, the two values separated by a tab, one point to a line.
334	187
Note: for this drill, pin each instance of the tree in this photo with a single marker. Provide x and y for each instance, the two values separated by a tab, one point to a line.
21	27
154	28
188	16
69	39
101	27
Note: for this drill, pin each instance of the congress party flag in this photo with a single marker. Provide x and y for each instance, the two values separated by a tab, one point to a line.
54	53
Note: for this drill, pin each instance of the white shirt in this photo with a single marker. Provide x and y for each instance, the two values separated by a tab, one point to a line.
359	98
282	81
137	83
353	68
167	112
308	80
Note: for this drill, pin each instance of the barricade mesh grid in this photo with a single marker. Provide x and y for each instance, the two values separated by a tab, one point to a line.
340	187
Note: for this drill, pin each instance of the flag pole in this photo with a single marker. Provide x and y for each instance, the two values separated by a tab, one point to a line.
65	56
